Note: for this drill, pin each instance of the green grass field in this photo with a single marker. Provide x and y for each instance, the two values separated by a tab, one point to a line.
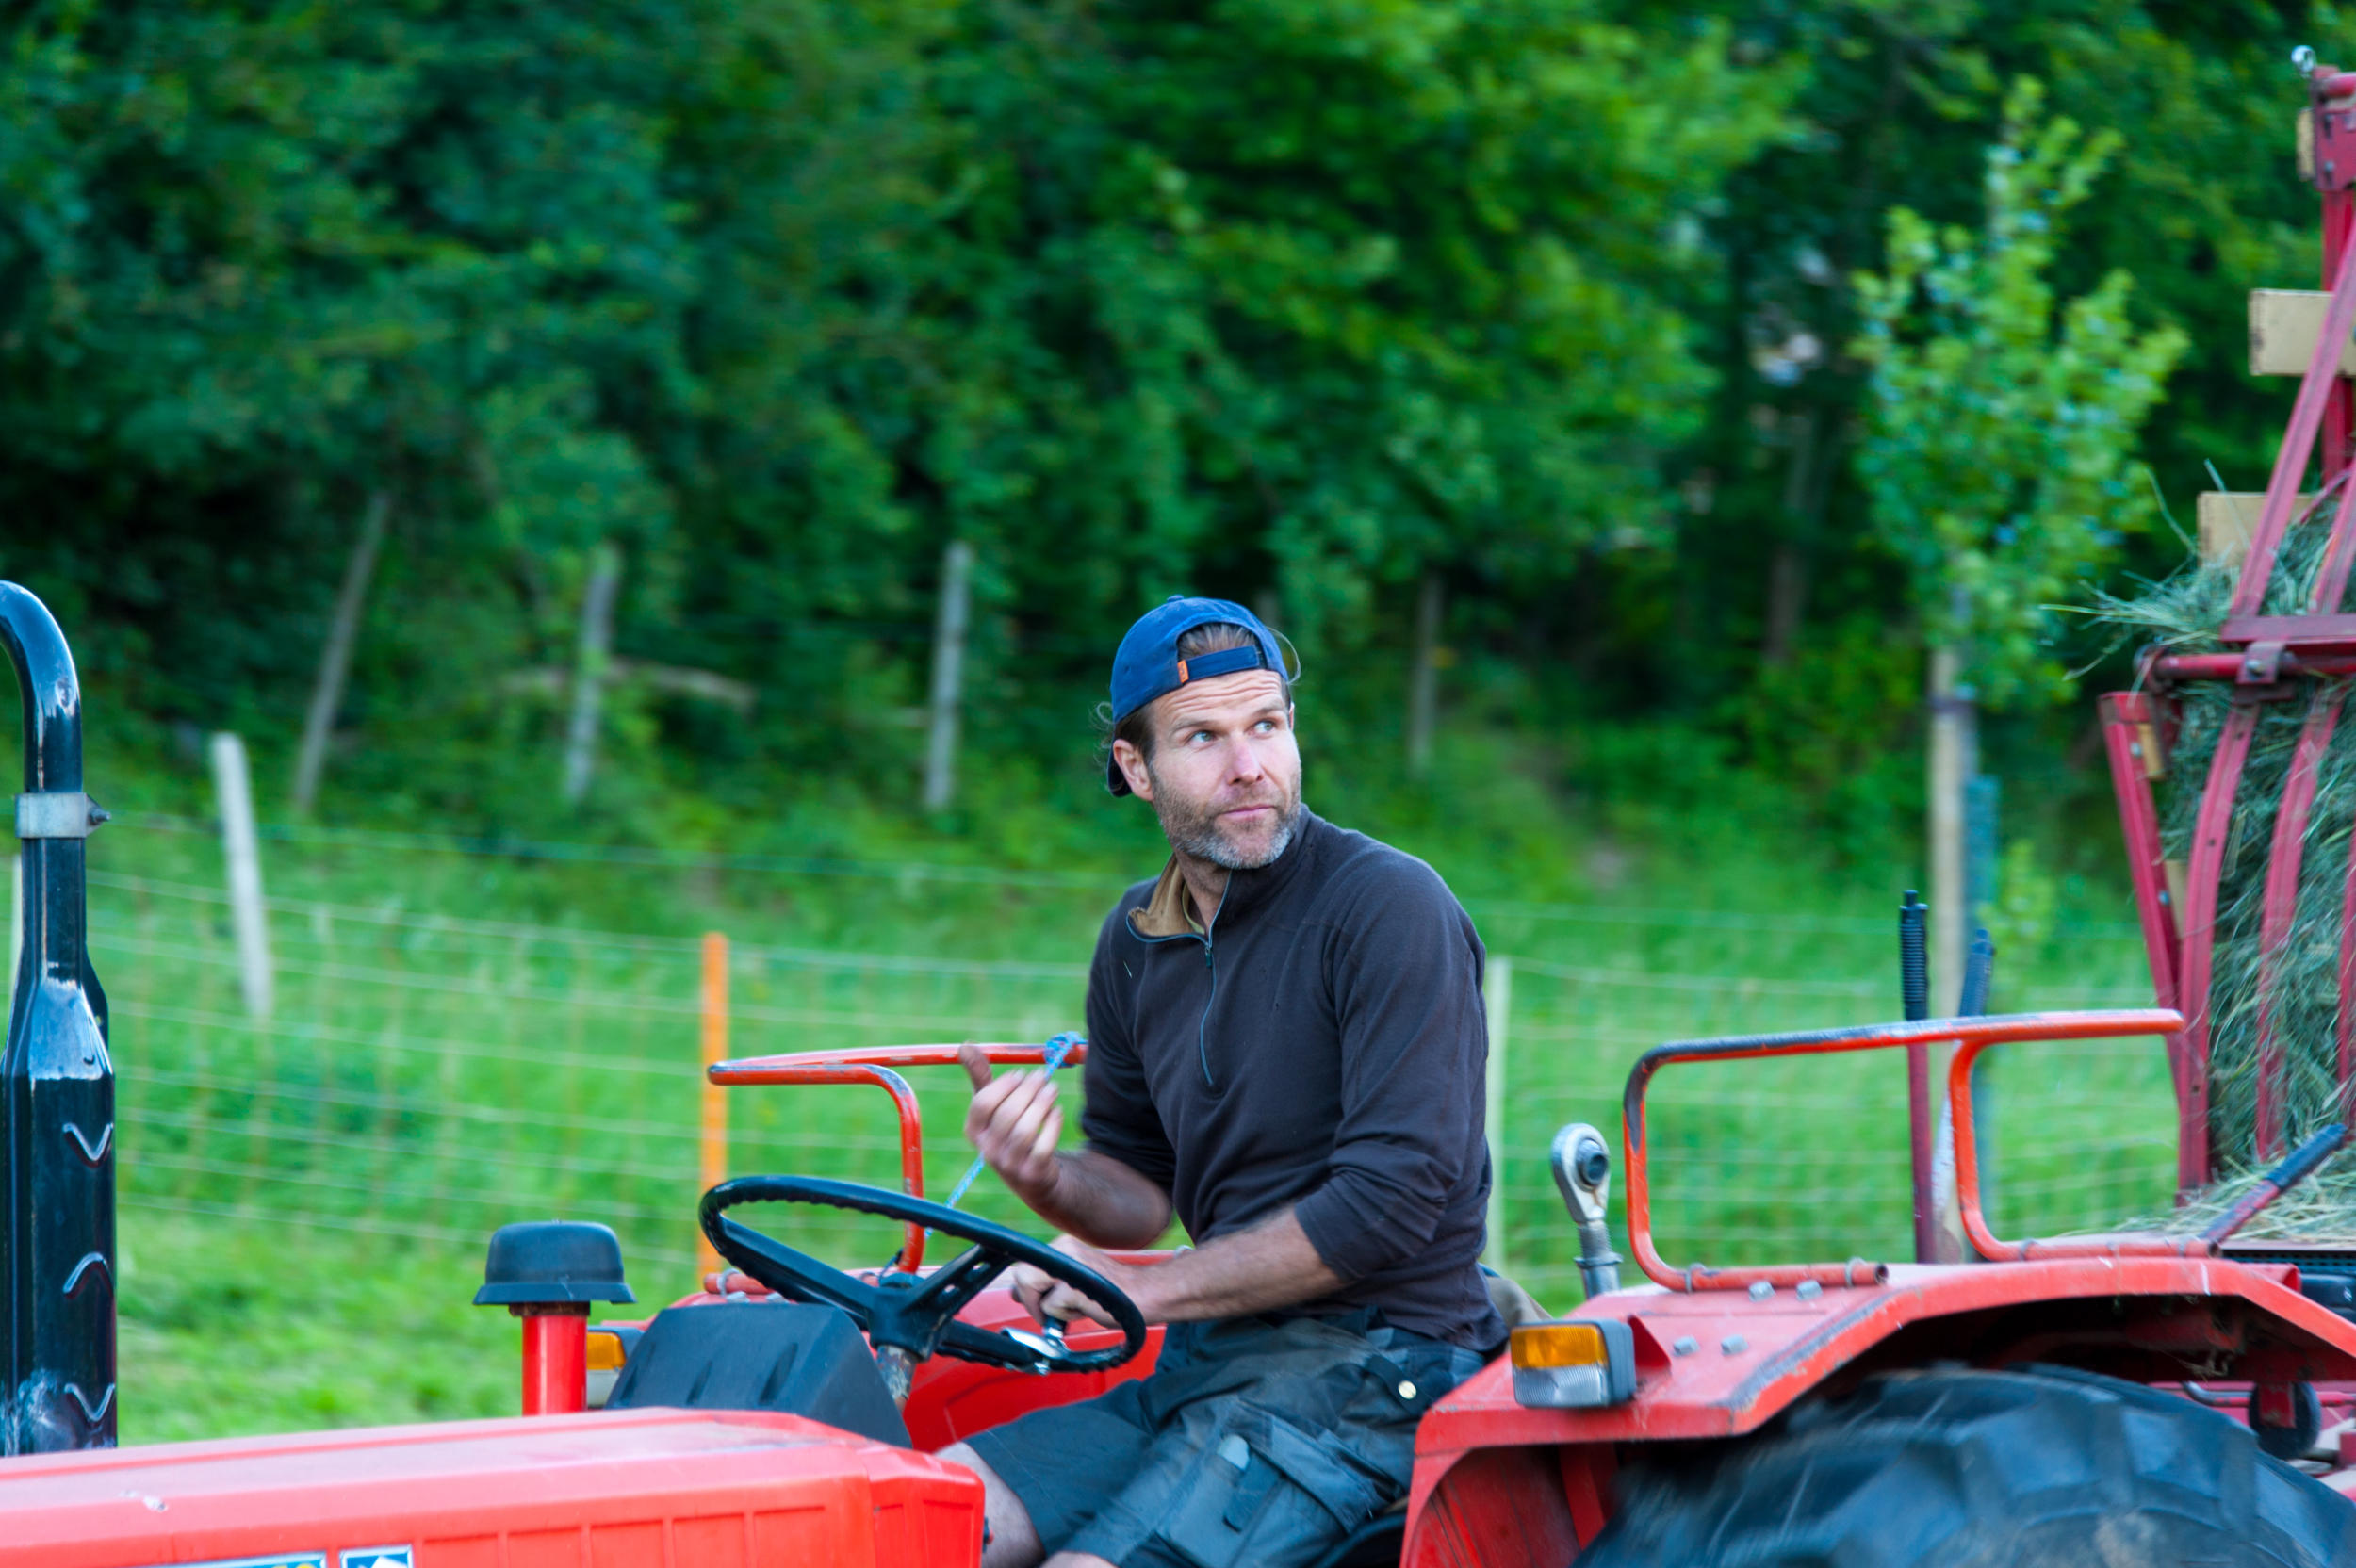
463	1039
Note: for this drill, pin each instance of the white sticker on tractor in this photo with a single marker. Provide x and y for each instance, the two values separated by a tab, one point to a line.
374	1556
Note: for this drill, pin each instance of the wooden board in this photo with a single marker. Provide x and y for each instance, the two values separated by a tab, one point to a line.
2283	327
2228	517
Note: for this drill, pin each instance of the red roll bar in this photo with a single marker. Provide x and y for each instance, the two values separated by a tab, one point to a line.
2131	1244
1971	1035
875	1065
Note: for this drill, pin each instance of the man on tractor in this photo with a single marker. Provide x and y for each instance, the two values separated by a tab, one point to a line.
1287	1046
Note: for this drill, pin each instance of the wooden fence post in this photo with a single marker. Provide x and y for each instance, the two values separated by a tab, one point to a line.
327	692
715	1165
1497	989
949	620
233	787
590	668
1423	680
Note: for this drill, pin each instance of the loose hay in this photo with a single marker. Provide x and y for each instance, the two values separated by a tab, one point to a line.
2183	614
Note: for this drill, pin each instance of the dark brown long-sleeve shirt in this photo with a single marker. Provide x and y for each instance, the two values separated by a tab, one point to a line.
1322	1047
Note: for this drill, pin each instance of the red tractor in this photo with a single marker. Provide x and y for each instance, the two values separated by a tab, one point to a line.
2140	1397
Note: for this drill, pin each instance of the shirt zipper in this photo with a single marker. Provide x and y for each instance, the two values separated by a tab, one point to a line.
1201	1025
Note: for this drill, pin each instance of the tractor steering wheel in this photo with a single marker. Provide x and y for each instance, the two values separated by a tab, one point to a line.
916	1314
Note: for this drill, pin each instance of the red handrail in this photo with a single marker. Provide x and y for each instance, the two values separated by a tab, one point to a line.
1984	1241
1973	1035
875	1065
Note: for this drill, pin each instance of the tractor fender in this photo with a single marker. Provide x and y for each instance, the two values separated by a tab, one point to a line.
1498	1484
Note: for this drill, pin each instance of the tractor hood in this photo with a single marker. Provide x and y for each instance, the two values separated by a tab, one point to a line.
640	1489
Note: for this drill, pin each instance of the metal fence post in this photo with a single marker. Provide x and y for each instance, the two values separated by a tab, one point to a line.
233	784
1496	991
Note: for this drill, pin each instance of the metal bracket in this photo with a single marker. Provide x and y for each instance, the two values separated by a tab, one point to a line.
2262	663
2327	151
57	814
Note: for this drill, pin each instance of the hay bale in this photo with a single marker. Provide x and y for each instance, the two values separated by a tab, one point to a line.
2183	614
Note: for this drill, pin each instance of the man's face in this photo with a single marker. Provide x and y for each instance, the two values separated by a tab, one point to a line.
1225	776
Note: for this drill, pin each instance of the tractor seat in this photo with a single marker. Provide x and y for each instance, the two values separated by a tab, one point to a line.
1514	1304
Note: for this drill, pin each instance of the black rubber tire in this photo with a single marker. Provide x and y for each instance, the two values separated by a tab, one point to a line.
1962	1469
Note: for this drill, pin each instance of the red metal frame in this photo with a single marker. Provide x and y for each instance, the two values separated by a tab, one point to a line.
1970	1035
2132	738
1975	1227
875	1065
2282	901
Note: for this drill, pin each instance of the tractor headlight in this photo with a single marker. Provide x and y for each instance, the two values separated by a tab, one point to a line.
1573	1366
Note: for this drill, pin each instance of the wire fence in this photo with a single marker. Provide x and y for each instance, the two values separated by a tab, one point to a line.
428	1074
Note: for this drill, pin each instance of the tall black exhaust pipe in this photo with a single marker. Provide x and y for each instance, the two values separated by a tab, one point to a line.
57	1081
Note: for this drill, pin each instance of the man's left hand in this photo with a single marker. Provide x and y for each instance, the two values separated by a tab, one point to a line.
1048	1299
1271	1264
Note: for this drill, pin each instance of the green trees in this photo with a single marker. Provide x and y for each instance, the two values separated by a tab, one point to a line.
1309	299
1270	296
1285	295
261	264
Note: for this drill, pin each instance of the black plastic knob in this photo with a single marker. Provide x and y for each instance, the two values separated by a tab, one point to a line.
547	1261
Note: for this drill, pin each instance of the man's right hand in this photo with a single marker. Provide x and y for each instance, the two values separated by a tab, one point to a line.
1013	1123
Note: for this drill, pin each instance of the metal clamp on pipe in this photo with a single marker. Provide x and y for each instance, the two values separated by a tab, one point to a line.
57	814
1582	1174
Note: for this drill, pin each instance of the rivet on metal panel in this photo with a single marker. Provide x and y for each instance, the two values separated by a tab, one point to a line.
1685	1345
1734	1345
1761	1290
1809	1290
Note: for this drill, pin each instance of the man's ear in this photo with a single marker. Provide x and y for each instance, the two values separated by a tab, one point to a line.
1132	764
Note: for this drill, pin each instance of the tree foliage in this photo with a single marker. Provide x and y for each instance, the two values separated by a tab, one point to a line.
1296	299
2000	457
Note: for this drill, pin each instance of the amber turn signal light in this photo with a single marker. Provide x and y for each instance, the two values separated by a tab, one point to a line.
1573	1366
1537	1345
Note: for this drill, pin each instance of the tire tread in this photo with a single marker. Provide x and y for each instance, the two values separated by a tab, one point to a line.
1942	1468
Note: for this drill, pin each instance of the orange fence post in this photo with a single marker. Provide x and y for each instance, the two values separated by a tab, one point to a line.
715	1104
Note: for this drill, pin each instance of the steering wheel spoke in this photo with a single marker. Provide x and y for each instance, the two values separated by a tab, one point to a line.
919	1315
953	1287
791	1271
1019	1350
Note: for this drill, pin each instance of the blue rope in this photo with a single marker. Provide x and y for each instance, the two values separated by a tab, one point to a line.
1053	1057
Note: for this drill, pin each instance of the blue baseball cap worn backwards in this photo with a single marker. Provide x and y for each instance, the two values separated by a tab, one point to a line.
1146	665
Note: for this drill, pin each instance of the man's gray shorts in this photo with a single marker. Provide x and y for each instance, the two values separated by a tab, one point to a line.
1252	1442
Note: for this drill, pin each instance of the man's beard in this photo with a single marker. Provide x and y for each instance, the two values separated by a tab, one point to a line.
1193	829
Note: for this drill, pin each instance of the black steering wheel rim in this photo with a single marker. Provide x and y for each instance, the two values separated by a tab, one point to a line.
919	1317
